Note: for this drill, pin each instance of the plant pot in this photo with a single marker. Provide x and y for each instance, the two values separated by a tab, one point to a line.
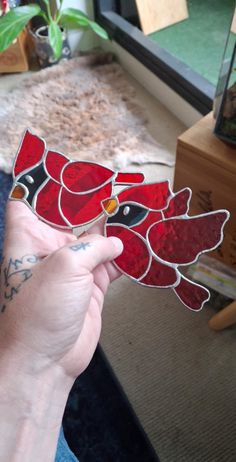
44	50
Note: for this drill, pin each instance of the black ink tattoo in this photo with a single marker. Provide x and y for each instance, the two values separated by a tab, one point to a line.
13	275
80	246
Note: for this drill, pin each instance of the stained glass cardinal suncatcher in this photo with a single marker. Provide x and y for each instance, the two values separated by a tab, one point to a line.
158	235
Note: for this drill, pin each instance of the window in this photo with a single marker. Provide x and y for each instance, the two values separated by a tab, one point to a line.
120	19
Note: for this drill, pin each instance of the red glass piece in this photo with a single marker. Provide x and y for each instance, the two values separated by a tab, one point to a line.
47	204
178	204
30	152
181	240
160	275
153	217
129	178
192	295
135	257
153	196
54	163
83	177
80	209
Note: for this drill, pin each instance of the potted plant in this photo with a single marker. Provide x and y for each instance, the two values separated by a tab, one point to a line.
51	35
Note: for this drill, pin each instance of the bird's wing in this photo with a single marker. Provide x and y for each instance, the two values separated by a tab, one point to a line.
81	209
178	204
181	240
81	177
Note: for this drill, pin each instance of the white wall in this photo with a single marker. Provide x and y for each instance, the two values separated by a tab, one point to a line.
81	40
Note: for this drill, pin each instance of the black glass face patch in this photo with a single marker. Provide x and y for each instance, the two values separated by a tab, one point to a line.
33	179
129	215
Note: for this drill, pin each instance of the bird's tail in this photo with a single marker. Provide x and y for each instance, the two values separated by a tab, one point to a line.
129	178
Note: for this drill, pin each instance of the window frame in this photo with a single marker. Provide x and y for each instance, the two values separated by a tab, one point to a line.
191	86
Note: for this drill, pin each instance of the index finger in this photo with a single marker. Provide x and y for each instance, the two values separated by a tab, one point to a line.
17	211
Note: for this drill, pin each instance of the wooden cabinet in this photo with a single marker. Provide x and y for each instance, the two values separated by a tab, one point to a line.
208	166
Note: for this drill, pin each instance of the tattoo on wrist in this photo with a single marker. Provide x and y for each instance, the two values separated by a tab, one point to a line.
80	246
14	273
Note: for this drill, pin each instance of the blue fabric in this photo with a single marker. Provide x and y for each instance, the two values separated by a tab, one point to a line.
64	453
5	187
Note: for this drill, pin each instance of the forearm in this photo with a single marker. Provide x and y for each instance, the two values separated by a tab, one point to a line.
31	410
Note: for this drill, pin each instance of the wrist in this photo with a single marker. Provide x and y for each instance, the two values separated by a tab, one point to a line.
33	393
32	372
32	403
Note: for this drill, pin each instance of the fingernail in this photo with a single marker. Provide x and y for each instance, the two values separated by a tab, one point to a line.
117	243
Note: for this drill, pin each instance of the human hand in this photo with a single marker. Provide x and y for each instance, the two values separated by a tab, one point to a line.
52	291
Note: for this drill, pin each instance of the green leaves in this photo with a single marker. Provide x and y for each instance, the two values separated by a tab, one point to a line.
98	30
55	38
14	22
72	18
16	19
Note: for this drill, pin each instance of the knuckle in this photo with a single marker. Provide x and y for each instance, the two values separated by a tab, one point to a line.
63	258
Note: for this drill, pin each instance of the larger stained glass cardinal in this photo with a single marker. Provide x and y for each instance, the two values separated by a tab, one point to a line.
159	236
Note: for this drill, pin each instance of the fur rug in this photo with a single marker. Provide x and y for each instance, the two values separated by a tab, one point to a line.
83	108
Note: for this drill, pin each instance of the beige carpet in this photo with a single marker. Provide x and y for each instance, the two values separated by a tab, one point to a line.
180	377
84	108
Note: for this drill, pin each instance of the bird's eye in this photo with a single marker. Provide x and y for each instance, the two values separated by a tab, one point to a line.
128	215
33	180
29	179
126	210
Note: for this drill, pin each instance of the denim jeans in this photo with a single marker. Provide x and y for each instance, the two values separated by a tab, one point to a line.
64	453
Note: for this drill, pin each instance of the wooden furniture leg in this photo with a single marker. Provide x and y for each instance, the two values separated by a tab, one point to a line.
224	318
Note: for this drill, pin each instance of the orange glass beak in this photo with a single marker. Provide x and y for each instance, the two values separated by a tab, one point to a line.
110	205
18	192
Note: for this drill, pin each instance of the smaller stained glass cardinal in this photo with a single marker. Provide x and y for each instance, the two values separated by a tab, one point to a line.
62	192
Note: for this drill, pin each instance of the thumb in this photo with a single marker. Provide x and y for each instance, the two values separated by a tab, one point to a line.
63	284
84	255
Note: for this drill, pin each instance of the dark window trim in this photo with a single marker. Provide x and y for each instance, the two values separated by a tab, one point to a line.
192	87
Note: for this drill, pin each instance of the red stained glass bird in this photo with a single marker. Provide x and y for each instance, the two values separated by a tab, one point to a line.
62	192
159	236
